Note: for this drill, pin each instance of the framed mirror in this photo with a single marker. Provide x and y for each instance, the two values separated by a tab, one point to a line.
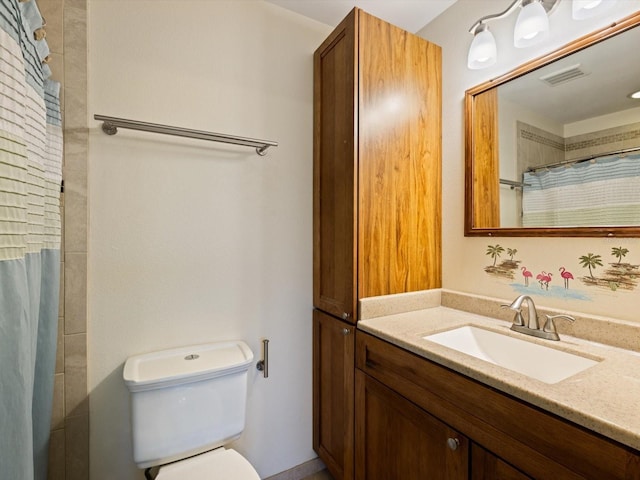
552	148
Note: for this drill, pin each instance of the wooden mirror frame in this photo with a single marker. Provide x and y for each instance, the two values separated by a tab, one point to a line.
476	173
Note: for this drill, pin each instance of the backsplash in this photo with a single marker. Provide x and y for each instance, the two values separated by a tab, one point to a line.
595	270
597	276
589	327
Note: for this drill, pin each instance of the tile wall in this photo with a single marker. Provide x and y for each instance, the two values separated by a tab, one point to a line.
603	141
66	26
537	147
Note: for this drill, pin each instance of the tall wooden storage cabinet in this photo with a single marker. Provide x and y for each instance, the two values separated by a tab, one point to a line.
376	191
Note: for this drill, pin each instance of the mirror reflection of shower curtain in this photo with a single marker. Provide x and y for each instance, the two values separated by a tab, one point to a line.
603	192
30	227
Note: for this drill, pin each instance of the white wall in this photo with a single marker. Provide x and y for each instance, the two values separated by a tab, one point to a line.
603	122
192	241
464	258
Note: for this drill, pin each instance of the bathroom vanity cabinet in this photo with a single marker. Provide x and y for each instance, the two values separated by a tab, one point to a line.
416	419
376	199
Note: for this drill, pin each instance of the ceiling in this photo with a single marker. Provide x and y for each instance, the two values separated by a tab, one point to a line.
611	76
411	15
607	65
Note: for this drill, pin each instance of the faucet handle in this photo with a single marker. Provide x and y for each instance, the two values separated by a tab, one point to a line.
550	325
517	319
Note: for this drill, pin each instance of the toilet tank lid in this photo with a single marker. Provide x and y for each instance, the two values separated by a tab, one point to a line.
186	364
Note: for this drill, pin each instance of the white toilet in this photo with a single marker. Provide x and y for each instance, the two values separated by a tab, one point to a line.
186	403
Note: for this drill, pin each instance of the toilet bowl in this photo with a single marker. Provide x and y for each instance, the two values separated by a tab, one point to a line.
216	464
187	403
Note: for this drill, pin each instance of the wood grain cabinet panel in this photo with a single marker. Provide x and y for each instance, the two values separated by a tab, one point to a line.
397	440
510	439
486	167
334	178
487	466
377	167
333	402
399	152
376	196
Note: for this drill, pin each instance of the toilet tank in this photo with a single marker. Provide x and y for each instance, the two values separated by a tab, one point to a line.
187	400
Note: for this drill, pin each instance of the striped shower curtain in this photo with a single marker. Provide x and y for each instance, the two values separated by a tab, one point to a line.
30	179
603	191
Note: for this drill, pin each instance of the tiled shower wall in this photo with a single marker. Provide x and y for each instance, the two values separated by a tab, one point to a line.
66	26
538	147
603	141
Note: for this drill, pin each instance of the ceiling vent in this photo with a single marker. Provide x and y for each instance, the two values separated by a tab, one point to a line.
564	75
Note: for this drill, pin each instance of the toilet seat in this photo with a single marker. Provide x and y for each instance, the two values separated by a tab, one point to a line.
220	463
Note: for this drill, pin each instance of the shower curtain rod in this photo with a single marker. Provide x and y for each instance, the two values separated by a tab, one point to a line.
513	184
110	127
582	159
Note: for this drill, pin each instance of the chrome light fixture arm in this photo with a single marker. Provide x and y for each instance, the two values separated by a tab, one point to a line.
549	6
495	16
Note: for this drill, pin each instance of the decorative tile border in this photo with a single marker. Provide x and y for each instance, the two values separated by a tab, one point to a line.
541	139
611	136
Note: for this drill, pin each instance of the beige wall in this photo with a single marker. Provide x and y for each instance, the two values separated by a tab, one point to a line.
256	95
465	259
192	241
69	446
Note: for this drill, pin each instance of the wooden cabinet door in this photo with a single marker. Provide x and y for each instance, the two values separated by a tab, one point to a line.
333	393
395	439
334	178
486	466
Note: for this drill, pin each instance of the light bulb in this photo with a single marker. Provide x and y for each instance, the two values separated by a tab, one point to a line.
582	9
482	52
532	25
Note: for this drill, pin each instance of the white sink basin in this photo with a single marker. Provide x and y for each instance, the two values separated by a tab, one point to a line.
537	361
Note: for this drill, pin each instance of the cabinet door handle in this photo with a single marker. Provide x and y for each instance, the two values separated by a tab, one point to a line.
345	316
453	443
346	331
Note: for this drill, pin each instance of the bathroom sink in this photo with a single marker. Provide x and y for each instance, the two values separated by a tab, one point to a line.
536	361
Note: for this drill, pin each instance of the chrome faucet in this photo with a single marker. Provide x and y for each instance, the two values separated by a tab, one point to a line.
532	326
516	305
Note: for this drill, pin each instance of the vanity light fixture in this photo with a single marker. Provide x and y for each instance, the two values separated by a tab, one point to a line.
582	9
532	26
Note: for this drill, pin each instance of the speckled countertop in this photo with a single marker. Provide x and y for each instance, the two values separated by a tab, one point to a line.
604	398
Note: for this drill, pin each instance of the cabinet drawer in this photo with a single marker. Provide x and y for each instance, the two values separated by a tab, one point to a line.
539	443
